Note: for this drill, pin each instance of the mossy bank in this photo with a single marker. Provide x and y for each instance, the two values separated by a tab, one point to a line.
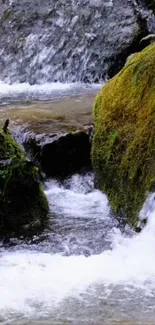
123	152
23	205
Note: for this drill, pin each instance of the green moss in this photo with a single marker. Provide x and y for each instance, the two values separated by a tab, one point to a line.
123	152
24	207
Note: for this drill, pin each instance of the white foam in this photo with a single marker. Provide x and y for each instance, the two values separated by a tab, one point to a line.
28	279
33	281
26	87
75	202
44	91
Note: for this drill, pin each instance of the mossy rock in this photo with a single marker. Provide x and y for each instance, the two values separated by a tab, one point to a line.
23	205
123	152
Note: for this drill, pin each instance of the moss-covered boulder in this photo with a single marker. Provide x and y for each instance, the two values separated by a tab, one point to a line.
23	205
123	152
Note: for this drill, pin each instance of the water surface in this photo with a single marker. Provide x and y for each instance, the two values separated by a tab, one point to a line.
85	270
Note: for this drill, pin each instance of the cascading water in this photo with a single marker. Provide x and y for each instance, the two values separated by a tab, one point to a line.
86	271
87	268
68	41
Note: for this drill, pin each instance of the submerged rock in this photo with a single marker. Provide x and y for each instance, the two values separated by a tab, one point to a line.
123	151
59	155
23	205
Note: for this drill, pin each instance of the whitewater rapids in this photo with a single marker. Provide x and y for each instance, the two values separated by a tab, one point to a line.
47	91
74	278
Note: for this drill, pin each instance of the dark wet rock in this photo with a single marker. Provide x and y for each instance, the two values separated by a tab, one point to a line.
150	4
23	205
141	224
58	155
68	40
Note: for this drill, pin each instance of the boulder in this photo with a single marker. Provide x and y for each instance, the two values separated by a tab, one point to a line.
58	155
123	151
23	205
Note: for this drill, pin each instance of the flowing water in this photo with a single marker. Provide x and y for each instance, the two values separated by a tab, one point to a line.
85	270
47	108
71	40
25	92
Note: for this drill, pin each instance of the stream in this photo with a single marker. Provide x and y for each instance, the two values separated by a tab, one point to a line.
87	268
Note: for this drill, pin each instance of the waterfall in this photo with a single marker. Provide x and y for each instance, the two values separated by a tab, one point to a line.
68	41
